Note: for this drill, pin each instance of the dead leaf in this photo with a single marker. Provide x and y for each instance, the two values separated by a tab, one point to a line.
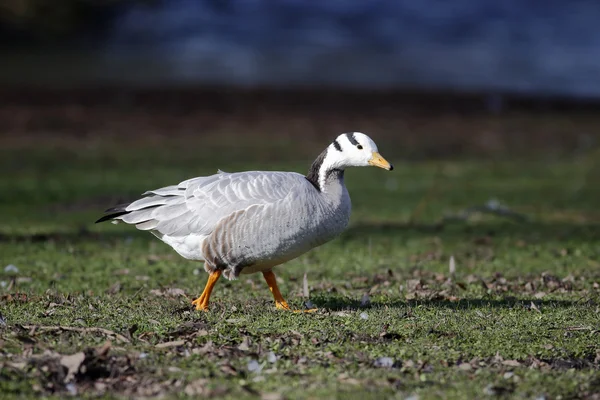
124	271
207	348
15	365
511	363
272	396
245	345
465	367
174	343
169	292
196	388
103	351
534	307
341	313
78	329
72	363
115	288
174	292
228	369
413	285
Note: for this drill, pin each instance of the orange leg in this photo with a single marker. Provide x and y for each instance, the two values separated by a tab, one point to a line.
279	300
272	282
201	302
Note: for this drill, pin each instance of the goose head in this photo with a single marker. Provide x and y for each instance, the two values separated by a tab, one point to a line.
354	149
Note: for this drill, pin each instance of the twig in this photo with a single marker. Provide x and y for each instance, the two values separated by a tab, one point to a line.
77	329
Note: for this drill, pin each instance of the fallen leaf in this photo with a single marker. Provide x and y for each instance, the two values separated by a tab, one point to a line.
534	307
78	329
72	363
174	292
511	363
16	365
115	288
341	314
196	388
174	343
169	292
272	396
245	345
465	367
124	271
413	285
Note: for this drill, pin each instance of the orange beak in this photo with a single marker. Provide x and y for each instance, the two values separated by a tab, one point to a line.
378	161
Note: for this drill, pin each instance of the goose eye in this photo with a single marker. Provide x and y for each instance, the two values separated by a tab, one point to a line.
358	146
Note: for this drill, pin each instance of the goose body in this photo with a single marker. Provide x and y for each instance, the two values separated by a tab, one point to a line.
246	222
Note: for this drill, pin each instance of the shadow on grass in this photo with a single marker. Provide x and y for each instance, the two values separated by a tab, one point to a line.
460	231
71	236
345	304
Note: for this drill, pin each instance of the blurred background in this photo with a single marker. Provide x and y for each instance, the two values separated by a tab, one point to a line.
529	47
190	86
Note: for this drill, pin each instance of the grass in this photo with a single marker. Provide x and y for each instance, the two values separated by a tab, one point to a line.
518	318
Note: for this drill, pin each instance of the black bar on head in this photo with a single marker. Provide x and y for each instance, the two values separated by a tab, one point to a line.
337	145
352	139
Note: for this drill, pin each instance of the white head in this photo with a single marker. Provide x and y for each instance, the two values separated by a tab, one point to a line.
354	149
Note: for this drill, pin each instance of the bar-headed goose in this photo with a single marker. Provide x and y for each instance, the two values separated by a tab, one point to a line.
246	222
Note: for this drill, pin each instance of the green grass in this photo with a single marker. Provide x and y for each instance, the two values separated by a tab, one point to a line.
520	318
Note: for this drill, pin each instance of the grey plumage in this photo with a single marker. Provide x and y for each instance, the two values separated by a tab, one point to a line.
246	222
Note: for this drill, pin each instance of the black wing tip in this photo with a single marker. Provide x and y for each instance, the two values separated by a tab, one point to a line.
111	216
118	208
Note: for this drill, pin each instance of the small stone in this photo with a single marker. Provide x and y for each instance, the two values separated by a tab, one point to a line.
384	362
364	315
254	366
465	367
11	268
71	388
489	390
271	357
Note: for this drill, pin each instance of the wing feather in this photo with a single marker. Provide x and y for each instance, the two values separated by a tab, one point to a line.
198	204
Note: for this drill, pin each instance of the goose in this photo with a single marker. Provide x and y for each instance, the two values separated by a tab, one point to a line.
248	222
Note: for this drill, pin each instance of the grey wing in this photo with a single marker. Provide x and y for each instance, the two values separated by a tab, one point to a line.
196	205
